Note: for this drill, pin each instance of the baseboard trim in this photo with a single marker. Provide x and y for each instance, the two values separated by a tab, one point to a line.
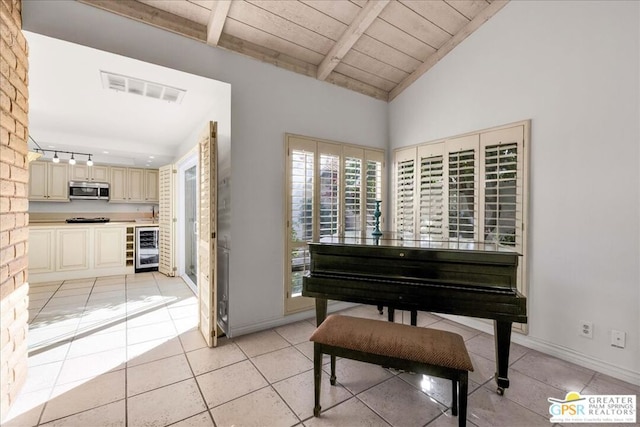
555	350
281	321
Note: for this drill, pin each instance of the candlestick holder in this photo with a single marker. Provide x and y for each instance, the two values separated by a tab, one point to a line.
376	214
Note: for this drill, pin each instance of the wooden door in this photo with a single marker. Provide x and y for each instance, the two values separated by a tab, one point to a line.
207	235
166	221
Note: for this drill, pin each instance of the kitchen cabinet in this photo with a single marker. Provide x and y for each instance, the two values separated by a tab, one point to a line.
74	251
133	185
151	184
109	247
49	182
136	185
88	173
41	250
72	248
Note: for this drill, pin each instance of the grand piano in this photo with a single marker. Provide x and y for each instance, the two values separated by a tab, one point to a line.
462	278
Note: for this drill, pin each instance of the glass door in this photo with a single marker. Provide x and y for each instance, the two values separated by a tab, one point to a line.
191	225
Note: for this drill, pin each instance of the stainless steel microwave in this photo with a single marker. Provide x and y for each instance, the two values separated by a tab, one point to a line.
88	190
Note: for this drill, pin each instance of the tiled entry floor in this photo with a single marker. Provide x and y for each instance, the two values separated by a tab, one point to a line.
124	351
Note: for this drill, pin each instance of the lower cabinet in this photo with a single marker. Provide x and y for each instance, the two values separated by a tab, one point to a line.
72	249
109	244
42	251
69	252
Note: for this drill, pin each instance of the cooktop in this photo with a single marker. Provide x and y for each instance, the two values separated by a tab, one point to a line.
81	220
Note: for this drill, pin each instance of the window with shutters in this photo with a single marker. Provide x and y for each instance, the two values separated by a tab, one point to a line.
332	190
471	188
404	194
431	195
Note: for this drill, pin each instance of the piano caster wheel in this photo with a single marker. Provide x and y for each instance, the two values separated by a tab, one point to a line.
316	411
332	381
500	391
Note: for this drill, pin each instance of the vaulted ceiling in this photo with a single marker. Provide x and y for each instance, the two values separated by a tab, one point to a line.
375	47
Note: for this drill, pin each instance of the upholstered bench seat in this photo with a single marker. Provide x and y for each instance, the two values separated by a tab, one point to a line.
421	350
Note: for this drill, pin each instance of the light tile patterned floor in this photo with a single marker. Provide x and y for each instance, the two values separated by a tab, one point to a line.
125	351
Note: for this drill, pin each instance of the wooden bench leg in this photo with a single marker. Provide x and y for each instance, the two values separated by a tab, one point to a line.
454	397
317	378
333	370
463	385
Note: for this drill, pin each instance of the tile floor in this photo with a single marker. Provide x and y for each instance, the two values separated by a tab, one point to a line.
125	351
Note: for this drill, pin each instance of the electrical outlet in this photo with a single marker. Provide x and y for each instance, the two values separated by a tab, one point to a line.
586	329
618	338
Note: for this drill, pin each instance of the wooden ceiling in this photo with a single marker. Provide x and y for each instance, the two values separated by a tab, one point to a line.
375	47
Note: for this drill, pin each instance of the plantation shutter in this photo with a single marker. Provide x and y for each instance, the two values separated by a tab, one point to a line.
431	194
405	188
373	188
301	167
328	211
462	194
166	263
353	191
502	185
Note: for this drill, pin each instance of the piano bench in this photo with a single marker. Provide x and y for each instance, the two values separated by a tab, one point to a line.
421	350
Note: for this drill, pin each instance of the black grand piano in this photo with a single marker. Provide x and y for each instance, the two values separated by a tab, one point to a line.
462	278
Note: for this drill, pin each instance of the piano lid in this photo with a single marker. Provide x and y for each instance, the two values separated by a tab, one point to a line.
394	240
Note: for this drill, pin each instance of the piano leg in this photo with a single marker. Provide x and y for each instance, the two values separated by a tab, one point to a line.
414	317
321	310
503	342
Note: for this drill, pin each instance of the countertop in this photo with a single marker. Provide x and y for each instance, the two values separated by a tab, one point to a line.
45	224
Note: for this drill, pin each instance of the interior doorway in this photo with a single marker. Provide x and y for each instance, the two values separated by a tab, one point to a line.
187	215
191	224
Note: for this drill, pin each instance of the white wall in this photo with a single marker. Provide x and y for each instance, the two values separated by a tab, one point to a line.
573	69
266	102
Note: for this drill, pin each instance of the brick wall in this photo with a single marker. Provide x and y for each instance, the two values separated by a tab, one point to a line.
14	218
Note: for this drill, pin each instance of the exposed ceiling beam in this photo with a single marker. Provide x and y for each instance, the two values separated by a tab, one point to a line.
150	15
465	32
282	60
362	21
216	21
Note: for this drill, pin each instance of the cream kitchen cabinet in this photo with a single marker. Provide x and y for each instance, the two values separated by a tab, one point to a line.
70	251
151	184
49	182
72	248
109	247
42	250
89	173
134	185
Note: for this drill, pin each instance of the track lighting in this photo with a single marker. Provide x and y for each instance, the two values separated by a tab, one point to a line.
56	159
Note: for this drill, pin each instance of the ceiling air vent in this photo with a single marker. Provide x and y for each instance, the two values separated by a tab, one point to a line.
127	84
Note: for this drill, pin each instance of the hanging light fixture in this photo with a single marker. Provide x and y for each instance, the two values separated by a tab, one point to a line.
37	152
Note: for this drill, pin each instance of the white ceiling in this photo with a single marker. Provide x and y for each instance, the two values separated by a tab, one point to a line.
70	110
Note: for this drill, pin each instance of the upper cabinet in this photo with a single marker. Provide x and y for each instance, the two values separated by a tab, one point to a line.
151	184
49	181
134	185
89	173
